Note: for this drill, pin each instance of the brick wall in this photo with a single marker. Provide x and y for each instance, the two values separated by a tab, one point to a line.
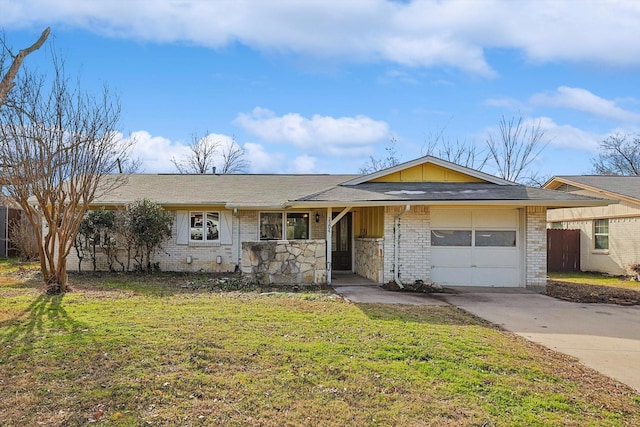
203	255
414	248
536	246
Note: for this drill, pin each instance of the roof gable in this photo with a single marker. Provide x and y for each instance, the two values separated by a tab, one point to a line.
616	187
428	169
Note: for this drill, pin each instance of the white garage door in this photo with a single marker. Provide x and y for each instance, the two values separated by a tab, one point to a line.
475	248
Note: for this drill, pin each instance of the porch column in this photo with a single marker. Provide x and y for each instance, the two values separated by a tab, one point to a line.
329	230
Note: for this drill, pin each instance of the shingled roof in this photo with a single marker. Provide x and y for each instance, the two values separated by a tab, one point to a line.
627	186
288	191
224	189
448	193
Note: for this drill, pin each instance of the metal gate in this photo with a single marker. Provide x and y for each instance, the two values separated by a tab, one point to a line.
563	250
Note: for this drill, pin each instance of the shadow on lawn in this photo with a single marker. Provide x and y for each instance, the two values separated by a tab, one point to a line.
435	315
44	314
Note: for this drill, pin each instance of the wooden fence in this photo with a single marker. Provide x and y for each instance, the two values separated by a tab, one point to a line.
563	250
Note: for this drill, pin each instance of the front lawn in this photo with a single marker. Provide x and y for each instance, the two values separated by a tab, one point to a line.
591	278
132	350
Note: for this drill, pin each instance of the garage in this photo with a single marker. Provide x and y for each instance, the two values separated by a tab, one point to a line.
479	247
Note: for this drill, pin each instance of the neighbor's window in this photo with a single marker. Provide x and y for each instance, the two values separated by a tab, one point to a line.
601	233
496	238
205	226
270	225
297	226
450	237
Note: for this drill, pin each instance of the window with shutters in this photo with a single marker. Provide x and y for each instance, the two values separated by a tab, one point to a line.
204	226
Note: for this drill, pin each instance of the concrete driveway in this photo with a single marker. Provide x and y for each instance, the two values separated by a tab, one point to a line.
604	337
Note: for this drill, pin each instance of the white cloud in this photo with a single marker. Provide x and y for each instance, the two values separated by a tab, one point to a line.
419	33
304	164
263	161
567	136
346	136
584	100
155	152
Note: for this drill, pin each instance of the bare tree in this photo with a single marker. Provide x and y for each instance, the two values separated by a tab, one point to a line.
459	152
373	164
619	155
207	154
201	157
59	143
516	148
233	158
9	77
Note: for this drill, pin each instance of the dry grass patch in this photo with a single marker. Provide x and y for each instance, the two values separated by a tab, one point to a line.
150	351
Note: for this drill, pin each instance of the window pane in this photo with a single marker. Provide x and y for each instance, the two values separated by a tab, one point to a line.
196	226
450	237
602	226
297	226
496	238
271	226
602	242
556	225
212	226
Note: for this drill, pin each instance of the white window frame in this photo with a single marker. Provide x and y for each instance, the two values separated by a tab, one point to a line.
607	234
283	225
204	234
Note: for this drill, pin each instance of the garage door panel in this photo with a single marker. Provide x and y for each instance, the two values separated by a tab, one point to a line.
505	277
451	257
451	276
497	219
451	218
495	257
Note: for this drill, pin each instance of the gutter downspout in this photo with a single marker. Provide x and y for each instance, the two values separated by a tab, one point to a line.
239	245
396	246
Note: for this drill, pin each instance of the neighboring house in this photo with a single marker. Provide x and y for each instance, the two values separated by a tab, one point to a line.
426	219
10	214
609	235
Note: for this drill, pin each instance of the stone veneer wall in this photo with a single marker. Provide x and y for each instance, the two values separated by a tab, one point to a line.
286	261
369	257
536	250
414	248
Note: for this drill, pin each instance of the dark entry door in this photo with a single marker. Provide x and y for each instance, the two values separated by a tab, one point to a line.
341	244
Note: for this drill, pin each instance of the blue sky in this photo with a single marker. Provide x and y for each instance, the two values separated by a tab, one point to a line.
319	86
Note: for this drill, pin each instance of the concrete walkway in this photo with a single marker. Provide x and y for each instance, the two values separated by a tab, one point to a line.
360	290
603	337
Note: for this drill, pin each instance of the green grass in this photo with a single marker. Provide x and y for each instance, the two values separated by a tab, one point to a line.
591	278
117	353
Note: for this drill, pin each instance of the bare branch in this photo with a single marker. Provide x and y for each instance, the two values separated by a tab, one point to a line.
391	160
60	146
516	148
7	82
619	155
201	156
233	158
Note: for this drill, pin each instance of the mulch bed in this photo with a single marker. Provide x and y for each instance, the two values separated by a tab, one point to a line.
580	292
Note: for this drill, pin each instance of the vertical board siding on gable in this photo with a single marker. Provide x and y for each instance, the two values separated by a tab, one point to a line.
427	173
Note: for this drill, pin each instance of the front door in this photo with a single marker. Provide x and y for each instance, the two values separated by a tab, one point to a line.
341	244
